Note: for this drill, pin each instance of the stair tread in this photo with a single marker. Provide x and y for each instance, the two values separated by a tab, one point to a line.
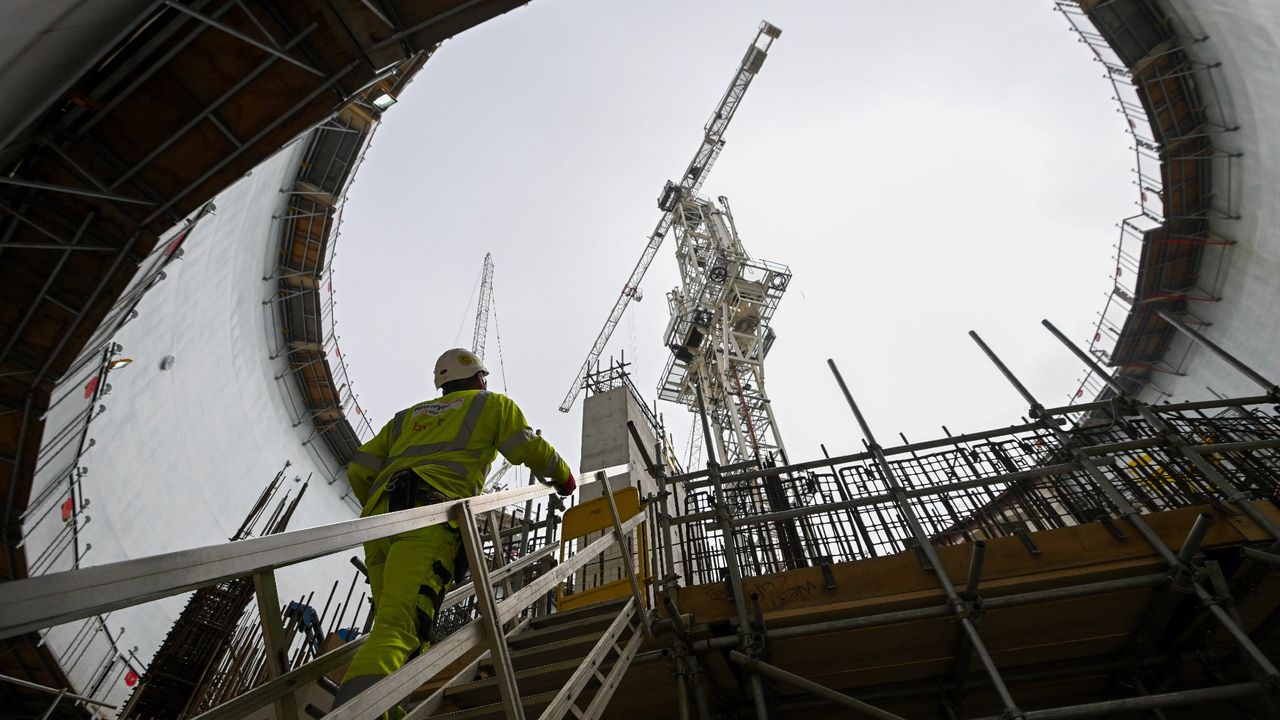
541	673
557	618
538	636
495	710
578	645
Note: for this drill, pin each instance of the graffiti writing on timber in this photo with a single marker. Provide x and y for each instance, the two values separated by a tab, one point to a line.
774	593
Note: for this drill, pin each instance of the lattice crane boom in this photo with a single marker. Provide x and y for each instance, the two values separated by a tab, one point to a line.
482	307
690	182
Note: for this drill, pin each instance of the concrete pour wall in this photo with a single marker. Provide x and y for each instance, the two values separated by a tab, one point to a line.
180	455
1244	35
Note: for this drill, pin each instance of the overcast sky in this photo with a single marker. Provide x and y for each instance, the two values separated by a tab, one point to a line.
924	168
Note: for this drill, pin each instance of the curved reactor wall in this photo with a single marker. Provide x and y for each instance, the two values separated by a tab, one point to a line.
181	441
1244	36
171	450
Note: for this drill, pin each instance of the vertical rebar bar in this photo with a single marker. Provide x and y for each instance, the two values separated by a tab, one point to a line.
959	606
1272	388
1181	575
1231	493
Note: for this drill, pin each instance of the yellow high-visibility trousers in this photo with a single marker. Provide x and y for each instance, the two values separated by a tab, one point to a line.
408	573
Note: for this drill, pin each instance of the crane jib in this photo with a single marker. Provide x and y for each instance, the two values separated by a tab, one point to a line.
694	175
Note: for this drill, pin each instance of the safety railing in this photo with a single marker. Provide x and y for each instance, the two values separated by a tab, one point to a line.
1007	482
1131	459
63	597
1174	113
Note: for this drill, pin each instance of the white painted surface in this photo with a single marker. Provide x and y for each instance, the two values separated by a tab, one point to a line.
181	455
1244	35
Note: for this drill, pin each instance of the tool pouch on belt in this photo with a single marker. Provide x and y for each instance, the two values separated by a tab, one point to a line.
407	490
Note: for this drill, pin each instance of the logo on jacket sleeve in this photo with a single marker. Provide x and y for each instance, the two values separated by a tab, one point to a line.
436	408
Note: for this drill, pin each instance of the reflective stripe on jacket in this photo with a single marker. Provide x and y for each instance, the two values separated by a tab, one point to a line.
451	442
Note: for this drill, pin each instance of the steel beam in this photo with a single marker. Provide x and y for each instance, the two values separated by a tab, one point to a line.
19	182
244	38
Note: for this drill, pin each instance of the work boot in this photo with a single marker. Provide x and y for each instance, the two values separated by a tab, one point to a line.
349	689
356	685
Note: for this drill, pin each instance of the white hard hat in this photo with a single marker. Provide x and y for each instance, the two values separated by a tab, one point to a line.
457	364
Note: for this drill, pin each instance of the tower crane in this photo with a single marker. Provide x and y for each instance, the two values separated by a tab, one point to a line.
478	338
689	184
482	307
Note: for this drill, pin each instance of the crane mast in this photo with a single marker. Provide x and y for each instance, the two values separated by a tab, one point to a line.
690	182
482	307
720	331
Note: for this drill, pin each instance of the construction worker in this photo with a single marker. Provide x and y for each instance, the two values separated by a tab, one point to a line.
435	451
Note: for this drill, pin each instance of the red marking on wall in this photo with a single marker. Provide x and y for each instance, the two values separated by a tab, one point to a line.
68	506
91	387
177	241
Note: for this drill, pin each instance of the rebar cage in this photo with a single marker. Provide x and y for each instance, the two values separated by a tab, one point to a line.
1009	482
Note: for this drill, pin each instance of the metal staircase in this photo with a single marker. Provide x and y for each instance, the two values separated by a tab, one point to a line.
563	662
517	660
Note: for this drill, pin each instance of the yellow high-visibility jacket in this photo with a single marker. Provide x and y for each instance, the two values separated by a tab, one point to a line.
450	442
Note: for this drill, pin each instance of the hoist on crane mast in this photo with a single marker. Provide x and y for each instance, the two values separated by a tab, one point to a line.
688	185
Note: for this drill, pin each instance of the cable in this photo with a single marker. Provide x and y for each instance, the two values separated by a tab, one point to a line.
466	312
497	334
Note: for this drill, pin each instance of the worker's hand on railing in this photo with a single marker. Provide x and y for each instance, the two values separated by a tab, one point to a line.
567	487
563	489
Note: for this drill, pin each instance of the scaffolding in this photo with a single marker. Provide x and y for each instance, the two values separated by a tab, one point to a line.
1187	491
315	379
933	576
1169	256
1219	460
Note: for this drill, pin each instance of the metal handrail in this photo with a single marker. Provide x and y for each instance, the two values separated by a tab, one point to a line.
393	688
306	674
61	597
41	602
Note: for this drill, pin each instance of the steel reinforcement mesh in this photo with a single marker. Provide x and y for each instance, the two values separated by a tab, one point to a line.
961	490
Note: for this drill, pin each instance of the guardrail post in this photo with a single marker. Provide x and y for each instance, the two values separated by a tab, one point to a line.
488	610
627	566
499	552
264	590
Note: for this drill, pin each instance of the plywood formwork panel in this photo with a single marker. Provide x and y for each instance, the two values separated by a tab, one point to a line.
1053	652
